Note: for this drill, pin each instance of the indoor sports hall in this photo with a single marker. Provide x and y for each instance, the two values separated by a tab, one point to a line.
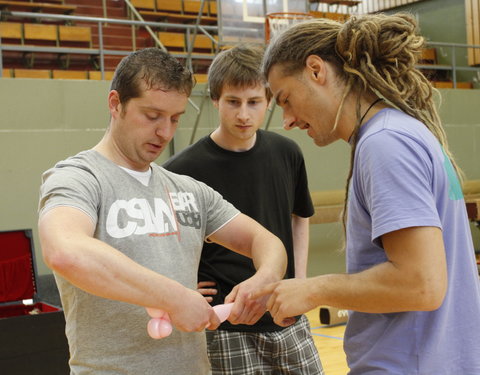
57	58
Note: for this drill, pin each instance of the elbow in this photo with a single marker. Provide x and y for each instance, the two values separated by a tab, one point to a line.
57	261
432	296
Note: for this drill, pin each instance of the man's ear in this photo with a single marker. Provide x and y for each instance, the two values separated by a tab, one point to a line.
316	69
114	104
215	103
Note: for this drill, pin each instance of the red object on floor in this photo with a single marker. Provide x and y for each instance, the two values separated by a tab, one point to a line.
32	339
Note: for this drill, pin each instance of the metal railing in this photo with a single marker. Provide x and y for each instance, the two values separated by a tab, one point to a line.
101	51
453	65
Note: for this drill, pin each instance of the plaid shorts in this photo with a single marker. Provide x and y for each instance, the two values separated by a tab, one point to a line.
289	351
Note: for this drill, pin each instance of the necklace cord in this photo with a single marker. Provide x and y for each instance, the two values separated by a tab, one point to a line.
368	109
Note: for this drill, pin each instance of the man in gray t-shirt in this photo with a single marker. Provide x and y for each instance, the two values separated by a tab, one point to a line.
122	234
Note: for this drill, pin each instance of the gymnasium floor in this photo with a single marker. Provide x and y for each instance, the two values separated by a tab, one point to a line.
329	342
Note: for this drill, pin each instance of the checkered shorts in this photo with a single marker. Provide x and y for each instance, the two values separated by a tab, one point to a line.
289	351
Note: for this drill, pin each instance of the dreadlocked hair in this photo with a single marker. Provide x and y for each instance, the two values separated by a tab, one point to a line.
370	54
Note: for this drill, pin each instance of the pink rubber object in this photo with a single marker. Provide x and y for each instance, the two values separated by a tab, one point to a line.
159	328
223	311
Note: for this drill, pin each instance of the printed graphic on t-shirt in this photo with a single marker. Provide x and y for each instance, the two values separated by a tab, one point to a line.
138	216
455	190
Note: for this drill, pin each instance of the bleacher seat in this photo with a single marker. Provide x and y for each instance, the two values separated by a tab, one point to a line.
144	4
96	75
44	34
201	78
11	31
193	7
75	34
7	73
449	85
172	41
69	74
32	73
428	56
30	6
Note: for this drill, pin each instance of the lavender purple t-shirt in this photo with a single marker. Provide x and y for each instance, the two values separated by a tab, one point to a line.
402	178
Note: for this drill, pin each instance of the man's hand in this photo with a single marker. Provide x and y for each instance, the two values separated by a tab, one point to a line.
192	313
286	299
247	310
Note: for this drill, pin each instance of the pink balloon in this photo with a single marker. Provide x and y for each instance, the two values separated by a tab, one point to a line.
223	311
159	328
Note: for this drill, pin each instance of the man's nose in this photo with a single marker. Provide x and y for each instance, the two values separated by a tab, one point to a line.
243	112
289	122
166	129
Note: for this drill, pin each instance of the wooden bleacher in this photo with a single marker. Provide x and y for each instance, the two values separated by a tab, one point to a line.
329	203
348	3
174	11
38	33
471	190
74	35
11	31
439	81
33	6
7	73
202	44
97	76
172	41
39	42
32	73
340	17
93	75
201	78
31	36
69	74
449	85
193	7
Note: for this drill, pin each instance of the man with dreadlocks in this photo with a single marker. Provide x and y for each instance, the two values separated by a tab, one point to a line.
411	281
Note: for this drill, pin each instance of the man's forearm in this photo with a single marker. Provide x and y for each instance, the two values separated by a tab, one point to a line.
300	233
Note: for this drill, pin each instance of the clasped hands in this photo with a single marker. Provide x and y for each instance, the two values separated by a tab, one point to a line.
284	300
246	304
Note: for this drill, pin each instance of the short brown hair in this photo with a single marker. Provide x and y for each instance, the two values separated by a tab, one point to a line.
237	67
155	67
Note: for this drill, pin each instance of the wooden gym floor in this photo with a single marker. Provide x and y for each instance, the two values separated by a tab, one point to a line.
329	342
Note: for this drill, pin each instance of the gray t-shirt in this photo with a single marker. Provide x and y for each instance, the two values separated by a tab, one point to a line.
161	226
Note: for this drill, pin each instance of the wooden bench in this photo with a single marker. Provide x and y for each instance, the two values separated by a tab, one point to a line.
201	78
428	56
172	41
47	34
329	203
69	74
192	6
340	17
175	17
471	190
32	73
7	73
202	43
348	3
97	76
449	85
144	4
11	31
74	35
28	6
